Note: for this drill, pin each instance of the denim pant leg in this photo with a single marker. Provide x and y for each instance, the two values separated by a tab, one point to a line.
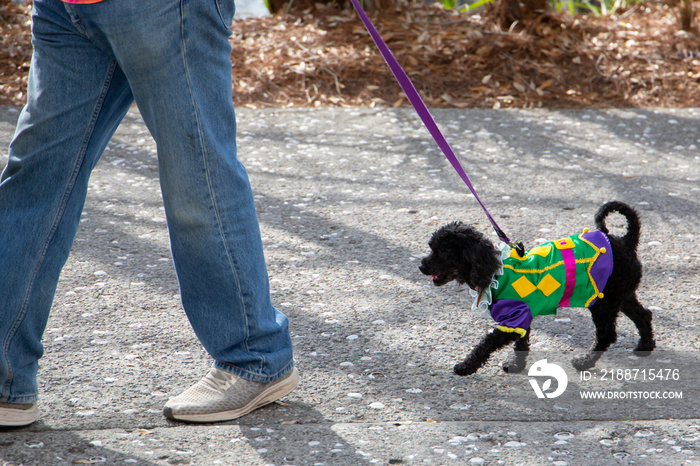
176	56
76	98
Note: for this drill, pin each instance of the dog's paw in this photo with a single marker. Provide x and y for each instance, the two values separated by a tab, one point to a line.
583	362
513	366
644	348
465	369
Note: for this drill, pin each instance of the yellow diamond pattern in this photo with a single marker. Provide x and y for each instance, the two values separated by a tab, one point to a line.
548	285
523	286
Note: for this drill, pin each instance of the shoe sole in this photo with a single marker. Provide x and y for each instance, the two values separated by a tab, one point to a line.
18	417
271	394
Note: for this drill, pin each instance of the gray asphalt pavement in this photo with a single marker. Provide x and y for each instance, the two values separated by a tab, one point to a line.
347	199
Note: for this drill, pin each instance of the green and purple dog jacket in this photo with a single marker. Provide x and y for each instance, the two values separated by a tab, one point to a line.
569	272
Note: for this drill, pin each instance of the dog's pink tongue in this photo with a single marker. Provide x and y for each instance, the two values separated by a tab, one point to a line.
433	278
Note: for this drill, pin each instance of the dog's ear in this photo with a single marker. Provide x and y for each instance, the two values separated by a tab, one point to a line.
482	257
449	238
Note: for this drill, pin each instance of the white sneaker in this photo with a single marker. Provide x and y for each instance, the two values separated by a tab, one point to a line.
18	414
223	396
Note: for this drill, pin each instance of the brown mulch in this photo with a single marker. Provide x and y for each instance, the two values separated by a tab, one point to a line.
323	56
15	52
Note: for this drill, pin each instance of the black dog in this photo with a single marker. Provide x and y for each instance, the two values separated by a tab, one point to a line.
461	253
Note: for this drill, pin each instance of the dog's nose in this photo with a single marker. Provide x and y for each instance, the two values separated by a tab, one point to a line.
423	267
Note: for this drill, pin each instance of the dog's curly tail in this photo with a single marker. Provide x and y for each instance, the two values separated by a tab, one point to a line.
631	238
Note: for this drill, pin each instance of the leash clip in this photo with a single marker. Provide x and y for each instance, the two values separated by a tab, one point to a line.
519	248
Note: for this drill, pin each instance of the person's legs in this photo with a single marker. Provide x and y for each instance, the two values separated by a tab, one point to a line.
174	54
76	97
176	57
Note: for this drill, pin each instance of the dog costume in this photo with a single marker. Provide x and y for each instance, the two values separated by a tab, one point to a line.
569	272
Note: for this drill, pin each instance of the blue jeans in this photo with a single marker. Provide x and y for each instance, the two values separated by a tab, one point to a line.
90	63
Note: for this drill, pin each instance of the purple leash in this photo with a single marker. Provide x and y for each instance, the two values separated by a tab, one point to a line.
424	113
